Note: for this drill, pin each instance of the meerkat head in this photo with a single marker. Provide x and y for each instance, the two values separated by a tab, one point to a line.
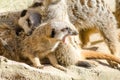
37	3
45	2
53	1
39	6
61	34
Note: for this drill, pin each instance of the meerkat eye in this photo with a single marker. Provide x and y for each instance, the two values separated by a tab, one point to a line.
63	29
29	22
53	33
66	28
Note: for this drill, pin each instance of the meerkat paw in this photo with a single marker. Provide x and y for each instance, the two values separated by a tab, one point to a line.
113	64
40	66
93	63
60	67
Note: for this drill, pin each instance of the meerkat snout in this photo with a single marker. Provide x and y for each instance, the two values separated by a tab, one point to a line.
69	31
72	32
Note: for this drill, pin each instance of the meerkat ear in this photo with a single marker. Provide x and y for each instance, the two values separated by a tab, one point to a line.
37	4
53	33
55	1
64	29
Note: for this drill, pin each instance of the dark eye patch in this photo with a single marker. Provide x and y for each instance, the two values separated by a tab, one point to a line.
64	29
23	13
29	22
37	4
53	33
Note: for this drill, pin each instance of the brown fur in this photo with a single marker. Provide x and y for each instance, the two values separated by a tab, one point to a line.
117	12
8	42
40	44
31	17
66	54
95	14
70	53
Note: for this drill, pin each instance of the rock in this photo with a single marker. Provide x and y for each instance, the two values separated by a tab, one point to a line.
12	70
14	5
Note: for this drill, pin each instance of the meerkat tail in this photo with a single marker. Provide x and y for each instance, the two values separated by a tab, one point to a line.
88	54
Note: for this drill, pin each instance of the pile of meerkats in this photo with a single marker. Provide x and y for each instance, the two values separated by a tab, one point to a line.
54	28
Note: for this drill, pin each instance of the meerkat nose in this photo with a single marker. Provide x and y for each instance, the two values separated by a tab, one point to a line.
75	33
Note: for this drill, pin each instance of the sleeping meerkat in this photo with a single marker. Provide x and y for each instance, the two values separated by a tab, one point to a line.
44	40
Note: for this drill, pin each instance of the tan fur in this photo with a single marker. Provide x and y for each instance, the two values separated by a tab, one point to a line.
117	12
31	11
92	54
70	53
8	42
87	14
115	8
85	37
40	44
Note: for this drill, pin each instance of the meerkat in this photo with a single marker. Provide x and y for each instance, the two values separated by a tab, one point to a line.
44	40
88	14
29	21
85	33
31	18
68	54
8	42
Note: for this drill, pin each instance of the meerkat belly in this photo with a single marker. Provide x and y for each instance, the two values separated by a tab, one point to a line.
66	54
92	12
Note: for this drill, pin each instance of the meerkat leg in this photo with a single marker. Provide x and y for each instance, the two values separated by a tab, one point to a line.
85	36
54	62
36	62
111	38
